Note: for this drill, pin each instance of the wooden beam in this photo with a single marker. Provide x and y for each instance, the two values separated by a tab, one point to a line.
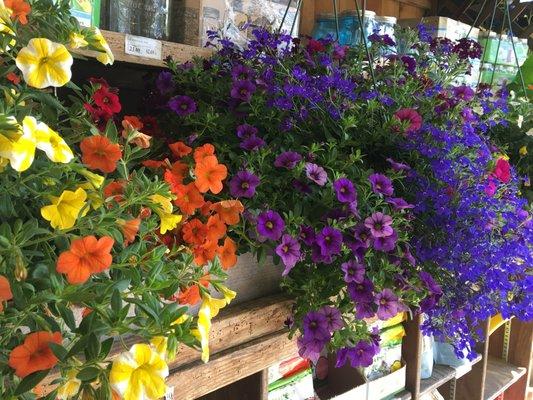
411	351
520	350
466	5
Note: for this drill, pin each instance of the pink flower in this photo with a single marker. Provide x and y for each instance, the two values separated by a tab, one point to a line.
502	171
411	116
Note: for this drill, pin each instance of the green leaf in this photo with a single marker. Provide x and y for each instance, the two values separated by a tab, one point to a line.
116	302
88	374
145	308
67	315
59	351
93	348
106	347
30	382
78	346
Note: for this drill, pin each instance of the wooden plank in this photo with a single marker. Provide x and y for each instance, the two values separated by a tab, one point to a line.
471	385
441	374
410	11
501	375
411	351
307	17
425	4
179	52
520	351
197	379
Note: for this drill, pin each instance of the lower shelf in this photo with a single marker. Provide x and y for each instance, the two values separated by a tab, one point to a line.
500	375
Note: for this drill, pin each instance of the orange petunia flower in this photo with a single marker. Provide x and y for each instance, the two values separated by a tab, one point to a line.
129	229
34	354
204	253
180	169
205	210
229	211
194	232
188	199
5	291
209	175
175	181
115	189
191	295
98	152
14	78
203	151
179	149
216	228
156	164
20	10
86	256
132	122
86	311
227	254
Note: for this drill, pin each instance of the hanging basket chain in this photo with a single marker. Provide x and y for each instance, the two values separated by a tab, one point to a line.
514	50
496	2
363	37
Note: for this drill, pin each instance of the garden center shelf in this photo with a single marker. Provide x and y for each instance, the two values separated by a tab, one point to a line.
117	42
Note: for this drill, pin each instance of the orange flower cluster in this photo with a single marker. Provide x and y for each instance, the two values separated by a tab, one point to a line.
191	176
34	354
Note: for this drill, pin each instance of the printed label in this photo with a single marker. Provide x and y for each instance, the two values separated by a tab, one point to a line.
169	395
143	47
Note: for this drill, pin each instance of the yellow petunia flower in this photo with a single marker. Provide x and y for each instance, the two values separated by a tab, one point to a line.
93	196
94	179
47	140
208	310
523	151
139	374
98	41
77	40
169	221
20	151
44	63
160	344
70	388
5	26
65	209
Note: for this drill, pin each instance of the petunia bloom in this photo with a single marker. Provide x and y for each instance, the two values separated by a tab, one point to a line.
381	184
243	184
229	211
502	170
287	159
410	117
169	221
65	209
209	175
34	354
85	257
189	198
98	152
44	63
289	252
182	105
5	291
270	225
345	190
242	90
106	99
70	387
139	374
329	240
315	325
333	318
380	224
316	173
388	304
227	254
19	10
130	229
179	149
354	271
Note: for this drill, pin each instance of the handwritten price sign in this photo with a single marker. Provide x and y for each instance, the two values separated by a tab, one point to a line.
143	47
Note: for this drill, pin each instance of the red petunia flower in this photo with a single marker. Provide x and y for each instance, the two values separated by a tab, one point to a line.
99	116
107	100
411	117
14	78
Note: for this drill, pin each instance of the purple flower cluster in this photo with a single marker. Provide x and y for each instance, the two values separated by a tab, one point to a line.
250	140
317	329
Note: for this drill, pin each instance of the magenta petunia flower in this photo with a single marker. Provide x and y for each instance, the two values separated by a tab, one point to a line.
463	92
345	190
354	271
502	171
182	105
362	355
270	225
388	304
243	184
316	173
410	117
289	252
379	225
361	291
381	184
315	325
287	159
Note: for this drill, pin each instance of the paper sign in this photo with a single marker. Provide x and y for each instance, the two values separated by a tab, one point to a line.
143	47
169	395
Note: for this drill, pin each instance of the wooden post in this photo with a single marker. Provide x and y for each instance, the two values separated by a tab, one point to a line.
411	353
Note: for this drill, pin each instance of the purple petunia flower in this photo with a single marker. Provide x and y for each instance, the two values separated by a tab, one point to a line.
164	82
364	309
465	93
287	159
315	325
387	243
379	225
398	166
329	240
316	173
333	318
289	251
354	271
388	305
362	291
409	64
307	235
242	72
310	348
252	143
398	203
182	105
362	236
245	131
243	184
361	355
345	190
242	90
301	186
381	184
270	225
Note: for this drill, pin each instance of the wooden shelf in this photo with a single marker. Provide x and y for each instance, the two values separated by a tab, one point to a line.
179	52
441	375
500	376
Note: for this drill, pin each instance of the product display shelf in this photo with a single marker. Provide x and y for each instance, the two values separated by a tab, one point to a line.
500	376
117	42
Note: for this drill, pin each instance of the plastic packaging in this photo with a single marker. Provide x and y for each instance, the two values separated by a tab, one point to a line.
149	18
444	353
325	26
426	367
350	27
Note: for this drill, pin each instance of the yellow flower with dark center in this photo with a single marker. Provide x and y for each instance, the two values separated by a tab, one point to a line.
44	63
139	374
65	209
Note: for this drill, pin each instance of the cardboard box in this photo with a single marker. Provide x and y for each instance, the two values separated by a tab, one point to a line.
346	383
444	27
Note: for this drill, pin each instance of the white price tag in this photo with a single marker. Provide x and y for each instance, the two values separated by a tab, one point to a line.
169	395
143	47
